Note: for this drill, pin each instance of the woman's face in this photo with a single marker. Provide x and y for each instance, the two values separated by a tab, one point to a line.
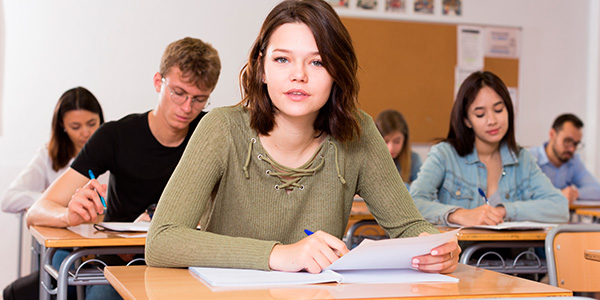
80	125
488	117
297	82
394	142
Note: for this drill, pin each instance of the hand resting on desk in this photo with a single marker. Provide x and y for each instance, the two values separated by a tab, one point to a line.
481	215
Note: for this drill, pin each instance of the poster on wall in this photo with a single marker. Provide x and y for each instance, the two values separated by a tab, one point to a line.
502	42
339	3
470	47
395	6
424	7
451	7
514	96
366	4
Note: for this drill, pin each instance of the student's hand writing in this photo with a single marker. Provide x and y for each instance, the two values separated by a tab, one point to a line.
313	253
85	204
482	215
571	192
441	259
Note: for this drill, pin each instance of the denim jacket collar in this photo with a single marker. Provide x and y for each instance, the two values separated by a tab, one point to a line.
508	157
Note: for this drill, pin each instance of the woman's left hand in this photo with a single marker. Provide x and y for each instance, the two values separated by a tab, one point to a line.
441	259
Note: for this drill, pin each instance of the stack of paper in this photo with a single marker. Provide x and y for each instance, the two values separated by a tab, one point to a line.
382	261
524	225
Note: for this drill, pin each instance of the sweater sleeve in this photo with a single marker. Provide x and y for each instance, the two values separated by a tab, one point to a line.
173	240
382	188
28	186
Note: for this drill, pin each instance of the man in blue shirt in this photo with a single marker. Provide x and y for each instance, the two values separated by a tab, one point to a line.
558	160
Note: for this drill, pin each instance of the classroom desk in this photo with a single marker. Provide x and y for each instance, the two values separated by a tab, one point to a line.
584	204
592	255
142	282
87	241
593	212
480	238
496	239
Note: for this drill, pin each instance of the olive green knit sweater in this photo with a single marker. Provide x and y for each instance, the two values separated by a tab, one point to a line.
224	179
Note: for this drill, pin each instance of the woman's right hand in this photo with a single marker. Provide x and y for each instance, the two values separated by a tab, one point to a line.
313	253
85	204
482	215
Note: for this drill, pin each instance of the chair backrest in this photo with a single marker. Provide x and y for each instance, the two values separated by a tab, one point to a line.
567	266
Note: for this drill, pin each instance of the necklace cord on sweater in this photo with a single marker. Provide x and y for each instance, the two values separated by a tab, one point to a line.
294	174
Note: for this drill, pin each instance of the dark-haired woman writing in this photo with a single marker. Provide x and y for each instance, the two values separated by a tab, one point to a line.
480	152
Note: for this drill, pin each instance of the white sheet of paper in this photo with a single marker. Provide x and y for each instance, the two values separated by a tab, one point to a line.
247	277
586	202
390	253
523	225
382	261
126	226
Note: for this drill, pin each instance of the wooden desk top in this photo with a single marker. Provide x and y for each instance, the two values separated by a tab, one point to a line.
594	212
142	282
360	212
472	234
592	255
83	235
584	204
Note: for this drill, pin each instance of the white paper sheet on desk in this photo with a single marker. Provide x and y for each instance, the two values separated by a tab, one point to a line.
124	226
390	253
245	278
524	225
382	261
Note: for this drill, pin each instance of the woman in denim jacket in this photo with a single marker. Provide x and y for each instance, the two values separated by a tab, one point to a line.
480	152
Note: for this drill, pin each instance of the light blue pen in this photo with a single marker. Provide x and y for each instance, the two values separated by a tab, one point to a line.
484	197
101	198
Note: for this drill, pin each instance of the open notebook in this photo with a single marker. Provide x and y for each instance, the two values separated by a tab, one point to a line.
382	261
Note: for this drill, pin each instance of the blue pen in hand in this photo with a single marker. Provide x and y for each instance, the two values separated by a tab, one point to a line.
484	197
101	198
308	232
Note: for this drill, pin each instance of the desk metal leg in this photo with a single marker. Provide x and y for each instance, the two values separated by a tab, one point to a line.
63	273
36	255
20	253
45	258
468	252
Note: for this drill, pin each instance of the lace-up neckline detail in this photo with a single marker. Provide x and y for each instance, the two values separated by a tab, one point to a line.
290	177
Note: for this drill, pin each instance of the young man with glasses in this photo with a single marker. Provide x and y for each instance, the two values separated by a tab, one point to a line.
140	150
559	161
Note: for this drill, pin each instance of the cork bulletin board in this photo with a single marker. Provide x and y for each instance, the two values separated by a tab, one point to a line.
409	66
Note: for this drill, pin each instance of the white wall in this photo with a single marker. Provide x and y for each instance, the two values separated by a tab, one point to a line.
113	48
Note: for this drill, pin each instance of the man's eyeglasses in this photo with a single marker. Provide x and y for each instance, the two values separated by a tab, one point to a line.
569	143
179	97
